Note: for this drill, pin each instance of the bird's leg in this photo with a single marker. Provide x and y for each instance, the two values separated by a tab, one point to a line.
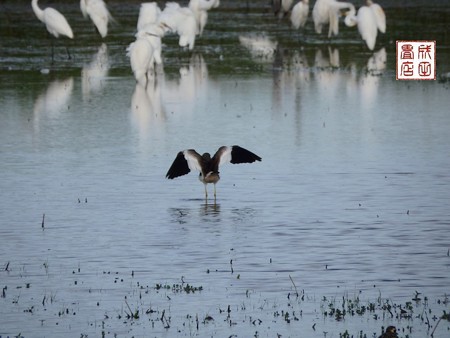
53	47
214	191
68	53
206	192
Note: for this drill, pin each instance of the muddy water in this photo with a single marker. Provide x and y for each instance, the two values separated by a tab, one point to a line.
350	204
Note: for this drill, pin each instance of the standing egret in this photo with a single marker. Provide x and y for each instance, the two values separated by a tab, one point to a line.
148	14
180	20
208	166
145	52
380	17
299	14
366	22
328	12
200	9
99	14
54	21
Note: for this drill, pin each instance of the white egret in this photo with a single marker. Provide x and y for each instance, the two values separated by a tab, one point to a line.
54	21
99	14
366	22
145	52
180	20
299	14
200	9
148	14
328	12
380	17
208	166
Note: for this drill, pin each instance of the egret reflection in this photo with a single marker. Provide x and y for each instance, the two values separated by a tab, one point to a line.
377	62
55	99
327	75
147	110
261	47
369	81
94	73
192	82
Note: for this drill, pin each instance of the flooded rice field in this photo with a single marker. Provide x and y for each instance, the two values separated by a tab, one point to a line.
340	231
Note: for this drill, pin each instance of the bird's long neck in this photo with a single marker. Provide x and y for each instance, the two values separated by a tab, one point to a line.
39	12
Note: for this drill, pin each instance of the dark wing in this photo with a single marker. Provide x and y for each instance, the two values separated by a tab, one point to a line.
234	154
185	161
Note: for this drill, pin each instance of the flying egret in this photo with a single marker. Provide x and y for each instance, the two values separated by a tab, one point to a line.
328	12
208	166
200	9
54	21
145	52
366	22
99	14
180	20
299	14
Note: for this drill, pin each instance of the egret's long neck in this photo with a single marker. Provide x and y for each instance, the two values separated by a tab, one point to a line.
39	12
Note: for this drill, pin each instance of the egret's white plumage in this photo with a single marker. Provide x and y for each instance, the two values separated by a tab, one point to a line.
208	166
99	14
380	17
200	9
180	20
328	12
148	14
145	52
299	14
366	22
54	21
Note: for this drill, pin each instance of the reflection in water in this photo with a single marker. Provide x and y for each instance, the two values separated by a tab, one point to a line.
193	81
147	110
208	212
377	62
329	73
322	61
180	215
261	47
369	82
54	100
93	74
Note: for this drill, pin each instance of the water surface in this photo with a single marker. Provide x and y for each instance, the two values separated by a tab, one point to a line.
350	203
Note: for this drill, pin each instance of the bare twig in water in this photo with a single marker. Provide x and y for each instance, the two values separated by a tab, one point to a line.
444	316
295	287
163	317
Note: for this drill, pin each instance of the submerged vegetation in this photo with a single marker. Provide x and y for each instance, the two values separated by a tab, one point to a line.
165	306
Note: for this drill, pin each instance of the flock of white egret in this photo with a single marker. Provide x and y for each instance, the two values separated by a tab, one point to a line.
188	22
369	18
154	23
